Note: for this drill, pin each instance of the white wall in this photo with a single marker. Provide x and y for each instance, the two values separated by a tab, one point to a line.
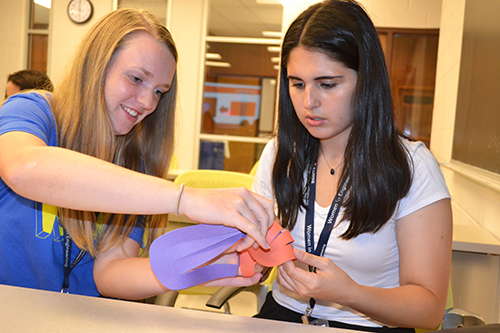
13	39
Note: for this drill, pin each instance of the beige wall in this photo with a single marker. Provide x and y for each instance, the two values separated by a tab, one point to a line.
64	35
187	22
63	38
416	14
13	39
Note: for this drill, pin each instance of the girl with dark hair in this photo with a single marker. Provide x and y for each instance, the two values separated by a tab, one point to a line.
368	208
27	79
83	170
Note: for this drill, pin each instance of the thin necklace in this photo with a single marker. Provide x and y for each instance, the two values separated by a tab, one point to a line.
332	170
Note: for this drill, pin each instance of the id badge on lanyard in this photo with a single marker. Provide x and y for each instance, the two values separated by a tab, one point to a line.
327	228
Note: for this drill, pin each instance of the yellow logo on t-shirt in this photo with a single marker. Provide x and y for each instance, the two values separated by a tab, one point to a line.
49	223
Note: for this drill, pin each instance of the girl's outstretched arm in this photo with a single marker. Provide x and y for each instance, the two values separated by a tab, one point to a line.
65	178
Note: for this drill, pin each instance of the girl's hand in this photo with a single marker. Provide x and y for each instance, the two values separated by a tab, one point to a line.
328	283
237	207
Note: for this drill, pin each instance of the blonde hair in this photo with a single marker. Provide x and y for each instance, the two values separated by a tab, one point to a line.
84	125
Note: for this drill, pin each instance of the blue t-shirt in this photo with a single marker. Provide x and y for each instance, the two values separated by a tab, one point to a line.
31	237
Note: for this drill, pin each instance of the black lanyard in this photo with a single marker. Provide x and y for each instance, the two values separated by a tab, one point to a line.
330	219
327	228
67	242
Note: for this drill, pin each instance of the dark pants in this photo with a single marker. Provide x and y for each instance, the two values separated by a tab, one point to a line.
272	310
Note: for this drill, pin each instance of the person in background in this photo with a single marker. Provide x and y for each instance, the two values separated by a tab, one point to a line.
368	207
83	170
27	79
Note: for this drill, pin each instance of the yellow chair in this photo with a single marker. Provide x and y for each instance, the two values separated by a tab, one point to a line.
212	179
253	171
174	162
223	295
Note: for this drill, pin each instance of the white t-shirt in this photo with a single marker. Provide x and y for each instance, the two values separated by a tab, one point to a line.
369	259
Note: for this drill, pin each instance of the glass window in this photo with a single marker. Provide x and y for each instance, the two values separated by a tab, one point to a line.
413	74
411	57
239	97
38	34
40	11
476	139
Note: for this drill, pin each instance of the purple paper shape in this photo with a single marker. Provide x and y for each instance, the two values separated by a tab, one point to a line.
176	256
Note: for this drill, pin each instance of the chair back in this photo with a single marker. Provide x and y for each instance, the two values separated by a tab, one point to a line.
207	178
214	179
253	171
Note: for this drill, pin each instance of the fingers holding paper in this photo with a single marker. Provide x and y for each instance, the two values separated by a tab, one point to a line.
329	282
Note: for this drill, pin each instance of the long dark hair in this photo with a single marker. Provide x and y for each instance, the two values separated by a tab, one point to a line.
375	157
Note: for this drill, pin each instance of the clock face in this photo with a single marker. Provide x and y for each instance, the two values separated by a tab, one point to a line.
80	11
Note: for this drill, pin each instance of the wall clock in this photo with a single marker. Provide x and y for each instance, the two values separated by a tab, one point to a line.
80	11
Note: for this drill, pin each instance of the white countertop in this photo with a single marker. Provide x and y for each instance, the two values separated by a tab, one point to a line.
471	237
30	310
475	239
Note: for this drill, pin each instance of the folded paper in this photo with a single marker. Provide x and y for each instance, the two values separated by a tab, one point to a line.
176	257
